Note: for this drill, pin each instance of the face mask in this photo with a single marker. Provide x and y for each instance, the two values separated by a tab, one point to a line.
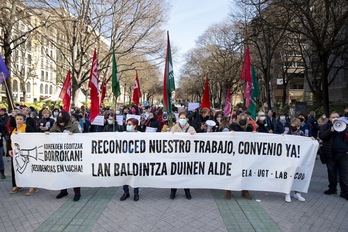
301	119
129	128
242	122
110	122
117	112
346	114
262	118
282	118
206	117
134	111
324	117
60	119
55	114
182	121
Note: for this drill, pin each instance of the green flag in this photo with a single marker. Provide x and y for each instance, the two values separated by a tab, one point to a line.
115	81
255	93
168	81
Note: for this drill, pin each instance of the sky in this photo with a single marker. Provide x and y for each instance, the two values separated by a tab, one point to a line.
189	19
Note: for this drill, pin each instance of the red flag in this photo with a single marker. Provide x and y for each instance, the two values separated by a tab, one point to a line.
227	108
93	84
206	95
246	69
246	75
136	90
103	89
65	93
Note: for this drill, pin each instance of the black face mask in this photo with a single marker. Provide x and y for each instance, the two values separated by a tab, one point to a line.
293	128
206	118
301	119
346	114
242	122
60	119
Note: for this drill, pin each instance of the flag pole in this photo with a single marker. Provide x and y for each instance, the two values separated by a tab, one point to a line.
8	91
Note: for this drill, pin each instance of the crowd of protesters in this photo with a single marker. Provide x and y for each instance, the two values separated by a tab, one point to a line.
154	119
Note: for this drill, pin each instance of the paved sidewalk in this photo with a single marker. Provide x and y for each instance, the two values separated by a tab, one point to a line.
101	210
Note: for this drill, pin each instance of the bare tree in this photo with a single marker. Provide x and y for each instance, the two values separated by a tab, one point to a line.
323	23
131	27
264	30
216	56
16	21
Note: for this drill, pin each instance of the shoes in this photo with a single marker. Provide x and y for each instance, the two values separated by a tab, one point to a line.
298	197
62	194
77	197
287	198
188	194
329	192
136	197
172	194
16	189
246	194
228	195
31	191
2	175
345	196
124	196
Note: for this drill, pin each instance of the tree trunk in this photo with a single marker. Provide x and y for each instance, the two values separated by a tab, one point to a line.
325	86
8	53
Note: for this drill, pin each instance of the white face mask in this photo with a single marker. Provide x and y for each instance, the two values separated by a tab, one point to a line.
117	112
182	121
110	122
282	118
55	114
129	128
262	118
324	116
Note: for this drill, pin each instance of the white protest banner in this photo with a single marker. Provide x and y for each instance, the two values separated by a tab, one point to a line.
230	160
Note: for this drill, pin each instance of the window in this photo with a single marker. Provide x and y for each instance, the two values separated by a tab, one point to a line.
46	89
41	89
29	60
51	89
28	87
15	86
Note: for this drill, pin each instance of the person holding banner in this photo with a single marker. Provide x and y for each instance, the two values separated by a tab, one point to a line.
131	126
336	155
21	127
182	126
46	121
295	125
64	125
241	125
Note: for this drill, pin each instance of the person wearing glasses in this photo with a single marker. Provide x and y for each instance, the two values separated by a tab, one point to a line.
131	126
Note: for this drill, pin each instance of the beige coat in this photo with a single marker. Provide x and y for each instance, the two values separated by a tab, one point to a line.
187	128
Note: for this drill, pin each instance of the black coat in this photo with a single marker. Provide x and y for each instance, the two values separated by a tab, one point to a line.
328	137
